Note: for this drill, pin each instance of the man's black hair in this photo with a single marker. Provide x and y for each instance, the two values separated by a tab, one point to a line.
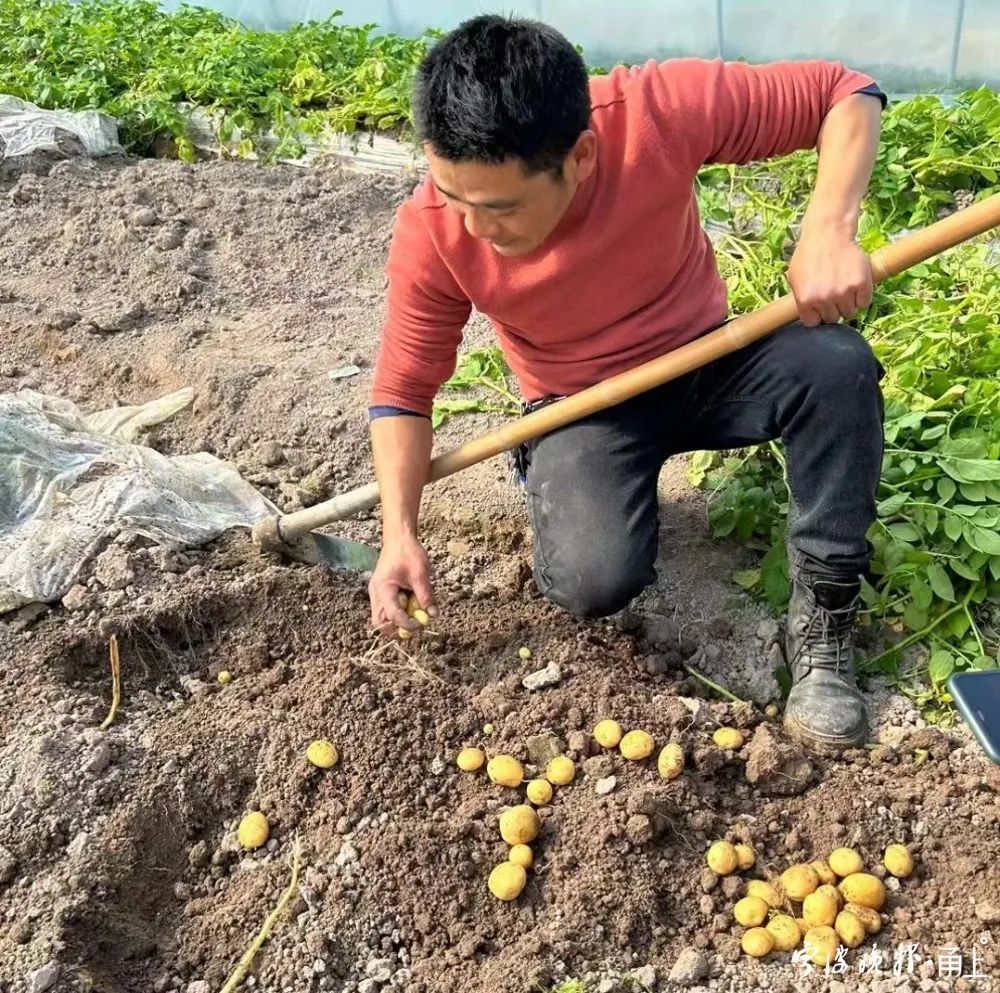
497	88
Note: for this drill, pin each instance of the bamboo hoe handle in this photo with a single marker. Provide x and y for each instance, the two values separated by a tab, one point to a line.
888	261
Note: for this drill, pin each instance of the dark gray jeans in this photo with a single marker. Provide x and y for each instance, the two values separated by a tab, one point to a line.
591	486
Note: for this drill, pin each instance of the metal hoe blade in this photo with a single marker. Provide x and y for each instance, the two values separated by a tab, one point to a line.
315	549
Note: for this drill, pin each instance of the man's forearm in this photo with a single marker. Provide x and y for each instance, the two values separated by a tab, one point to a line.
402	449
848	142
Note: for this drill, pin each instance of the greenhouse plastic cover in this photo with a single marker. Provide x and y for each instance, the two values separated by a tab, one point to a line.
25	128
72	481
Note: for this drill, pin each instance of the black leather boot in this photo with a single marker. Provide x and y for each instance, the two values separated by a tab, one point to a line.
825	708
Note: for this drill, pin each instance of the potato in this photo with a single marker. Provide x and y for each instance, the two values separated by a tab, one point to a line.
771	711
834	894
421	617
863	888
871	919
820	909
403	599
845	861
322	754
798	881
801	925
521	855
821	945
825	873
539	792
722	858
524	653
636	745
608	733
751	911
849	929
560	771
505	770
728	738
898	861
470	759
507	880
225	677
785	932
768	893
253	830
519	825
757	942
745	857
670	764
404	634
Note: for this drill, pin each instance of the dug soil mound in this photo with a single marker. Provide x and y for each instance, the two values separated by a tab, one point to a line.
119	864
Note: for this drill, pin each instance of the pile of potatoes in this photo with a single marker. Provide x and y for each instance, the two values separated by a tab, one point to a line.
807	905
520	825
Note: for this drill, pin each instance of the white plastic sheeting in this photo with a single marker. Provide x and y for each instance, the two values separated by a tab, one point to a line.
25	128
70	481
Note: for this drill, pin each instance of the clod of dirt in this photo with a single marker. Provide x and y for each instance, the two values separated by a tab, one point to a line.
144	217
543	748
988	912
113	570
551	675
645	976
77	598
691	966
775	766
8	865
936	742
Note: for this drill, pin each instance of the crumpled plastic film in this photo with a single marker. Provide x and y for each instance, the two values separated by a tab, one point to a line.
69	482
25	128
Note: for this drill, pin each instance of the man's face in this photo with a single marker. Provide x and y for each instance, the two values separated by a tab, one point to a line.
505	206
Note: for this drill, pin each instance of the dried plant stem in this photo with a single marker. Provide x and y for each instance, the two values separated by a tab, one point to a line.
244	964
116	684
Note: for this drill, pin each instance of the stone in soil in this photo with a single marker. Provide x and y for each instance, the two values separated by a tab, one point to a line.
690	966
44	978
542	748
542	679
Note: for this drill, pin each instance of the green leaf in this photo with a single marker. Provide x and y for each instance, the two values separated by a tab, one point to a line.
941	666
971	470
981	538
774	577
915	618
904	531
940	582
921	595
946	488
747	579
892	504
953	527
963	569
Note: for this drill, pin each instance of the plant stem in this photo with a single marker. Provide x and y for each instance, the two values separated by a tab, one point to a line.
920	635
721	690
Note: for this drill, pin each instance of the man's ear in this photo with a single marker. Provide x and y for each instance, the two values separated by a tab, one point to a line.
583	155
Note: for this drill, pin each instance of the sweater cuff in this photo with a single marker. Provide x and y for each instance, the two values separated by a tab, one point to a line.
384	410
873	90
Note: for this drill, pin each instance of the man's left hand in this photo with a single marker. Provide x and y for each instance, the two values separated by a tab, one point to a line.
829	275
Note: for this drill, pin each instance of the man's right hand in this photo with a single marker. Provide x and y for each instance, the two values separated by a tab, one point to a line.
403	567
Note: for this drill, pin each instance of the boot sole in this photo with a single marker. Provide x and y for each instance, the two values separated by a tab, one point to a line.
817	742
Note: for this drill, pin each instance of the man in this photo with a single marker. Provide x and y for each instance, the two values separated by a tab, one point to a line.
564	210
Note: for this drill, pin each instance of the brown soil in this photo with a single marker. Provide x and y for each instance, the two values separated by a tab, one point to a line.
118	861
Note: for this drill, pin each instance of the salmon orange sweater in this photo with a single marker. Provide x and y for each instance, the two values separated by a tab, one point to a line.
628	273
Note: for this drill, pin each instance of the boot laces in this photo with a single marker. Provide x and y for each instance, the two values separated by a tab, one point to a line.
826	638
